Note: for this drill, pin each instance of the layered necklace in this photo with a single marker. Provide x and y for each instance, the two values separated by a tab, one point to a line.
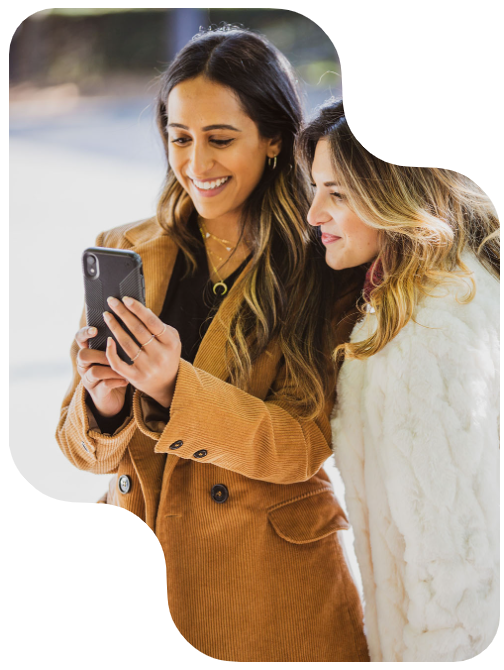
220	287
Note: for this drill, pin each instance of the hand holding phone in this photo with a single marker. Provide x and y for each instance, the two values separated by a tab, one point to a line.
106	387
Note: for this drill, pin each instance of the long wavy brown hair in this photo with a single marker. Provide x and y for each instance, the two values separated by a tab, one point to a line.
426	218
282	270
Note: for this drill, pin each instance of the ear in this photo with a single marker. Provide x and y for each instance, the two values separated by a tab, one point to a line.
274	147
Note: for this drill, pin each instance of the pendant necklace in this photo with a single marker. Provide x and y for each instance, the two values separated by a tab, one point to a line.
220	287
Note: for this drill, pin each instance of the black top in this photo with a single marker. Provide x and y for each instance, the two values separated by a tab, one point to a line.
189	306
190	303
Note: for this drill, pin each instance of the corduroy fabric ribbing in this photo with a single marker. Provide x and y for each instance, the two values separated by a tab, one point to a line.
261	577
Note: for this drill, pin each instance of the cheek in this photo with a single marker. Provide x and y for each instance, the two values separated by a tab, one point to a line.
174	162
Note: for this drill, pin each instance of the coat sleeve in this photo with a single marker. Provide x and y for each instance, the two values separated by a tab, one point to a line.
78	434
212	421
436	402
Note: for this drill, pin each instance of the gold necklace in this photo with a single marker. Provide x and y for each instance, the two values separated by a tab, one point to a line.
205	234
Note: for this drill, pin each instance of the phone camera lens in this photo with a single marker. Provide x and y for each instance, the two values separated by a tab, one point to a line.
91	265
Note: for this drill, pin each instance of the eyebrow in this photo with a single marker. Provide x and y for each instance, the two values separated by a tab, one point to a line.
329	183
216	126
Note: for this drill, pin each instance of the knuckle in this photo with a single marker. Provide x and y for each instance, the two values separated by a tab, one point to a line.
94	374
137	328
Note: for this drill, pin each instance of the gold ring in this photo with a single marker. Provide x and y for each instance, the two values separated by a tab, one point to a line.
137	355
159	334
149	341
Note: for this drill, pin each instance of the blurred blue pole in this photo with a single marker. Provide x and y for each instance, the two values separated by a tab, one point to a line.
181	25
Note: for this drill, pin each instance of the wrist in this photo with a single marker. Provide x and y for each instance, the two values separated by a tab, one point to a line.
164	399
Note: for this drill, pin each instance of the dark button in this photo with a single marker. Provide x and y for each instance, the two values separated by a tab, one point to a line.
124	484
84	446
176	445
200	453
219	493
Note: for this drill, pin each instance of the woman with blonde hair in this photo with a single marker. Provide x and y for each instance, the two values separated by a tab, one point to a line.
218	429
415	427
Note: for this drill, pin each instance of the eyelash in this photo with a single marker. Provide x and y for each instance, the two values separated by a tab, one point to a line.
182	141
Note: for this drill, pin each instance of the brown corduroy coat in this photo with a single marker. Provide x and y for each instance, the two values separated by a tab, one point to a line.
262	576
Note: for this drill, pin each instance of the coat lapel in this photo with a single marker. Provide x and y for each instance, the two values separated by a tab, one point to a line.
158	252
210	356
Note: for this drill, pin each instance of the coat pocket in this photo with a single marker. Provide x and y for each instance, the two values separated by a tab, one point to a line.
309	517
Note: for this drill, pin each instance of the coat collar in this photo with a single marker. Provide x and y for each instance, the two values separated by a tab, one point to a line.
158	252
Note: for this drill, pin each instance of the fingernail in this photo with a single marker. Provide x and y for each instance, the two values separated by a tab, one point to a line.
92	330
112	301
109	341
106	316
127	300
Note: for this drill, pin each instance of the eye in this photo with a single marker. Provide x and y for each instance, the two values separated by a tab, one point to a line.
221	143
180	140
337	195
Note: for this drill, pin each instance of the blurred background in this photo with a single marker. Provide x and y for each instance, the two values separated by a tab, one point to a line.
85	156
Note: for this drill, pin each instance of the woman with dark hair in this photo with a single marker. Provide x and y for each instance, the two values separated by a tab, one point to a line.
415	429
219	428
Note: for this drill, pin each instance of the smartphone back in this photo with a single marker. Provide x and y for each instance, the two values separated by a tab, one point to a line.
110	272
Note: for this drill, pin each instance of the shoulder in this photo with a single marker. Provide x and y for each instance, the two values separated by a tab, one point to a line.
131	234
448	348
443	319
445	325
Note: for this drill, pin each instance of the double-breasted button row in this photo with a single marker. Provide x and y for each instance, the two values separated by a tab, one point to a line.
219	493
124	484
176	445
200	454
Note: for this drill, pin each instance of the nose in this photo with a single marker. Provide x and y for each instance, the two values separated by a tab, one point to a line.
317	215
201	159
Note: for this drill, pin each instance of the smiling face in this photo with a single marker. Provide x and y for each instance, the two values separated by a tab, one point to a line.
214	147
349	241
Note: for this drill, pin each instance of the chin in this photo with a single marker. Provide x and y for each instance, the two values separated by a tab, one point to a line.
336	263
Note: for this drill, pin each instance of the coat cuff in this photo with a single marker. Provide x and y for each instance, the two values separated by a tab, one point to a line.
114	423
96	445
188	433
171	429
151	417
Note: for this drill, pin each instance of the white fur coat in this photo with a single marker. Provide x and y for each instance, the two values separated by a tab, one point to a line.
415	432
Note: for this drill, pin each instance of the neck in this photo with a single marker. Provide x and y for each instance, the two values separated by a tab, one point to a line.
225	227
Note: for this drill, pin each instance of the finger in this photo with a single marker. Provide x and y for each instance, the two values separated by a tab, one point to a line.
153	323
115	383
125	341
87	357
135	325
127	371
84	334
100	372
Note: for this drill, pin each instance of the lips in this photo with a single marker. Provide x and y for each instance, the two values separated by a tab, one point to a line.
326	238
210	187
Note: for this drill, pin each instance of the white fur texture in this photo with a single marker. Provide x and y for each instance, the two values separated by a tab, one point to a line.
415	433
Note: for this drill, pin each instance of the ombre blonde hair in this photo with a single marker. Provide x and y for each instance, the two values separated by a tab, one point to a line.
426	218
281	276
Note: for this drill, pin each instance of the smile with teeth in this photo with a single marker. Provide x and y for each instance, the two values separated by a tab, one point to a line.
209	185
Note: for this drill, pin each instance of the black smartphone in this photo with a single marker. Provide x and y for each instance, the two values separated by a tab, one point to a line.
110	273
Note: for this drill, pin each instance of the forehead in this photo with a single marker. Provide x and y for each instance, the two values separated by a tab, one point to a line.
199	101
322	164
